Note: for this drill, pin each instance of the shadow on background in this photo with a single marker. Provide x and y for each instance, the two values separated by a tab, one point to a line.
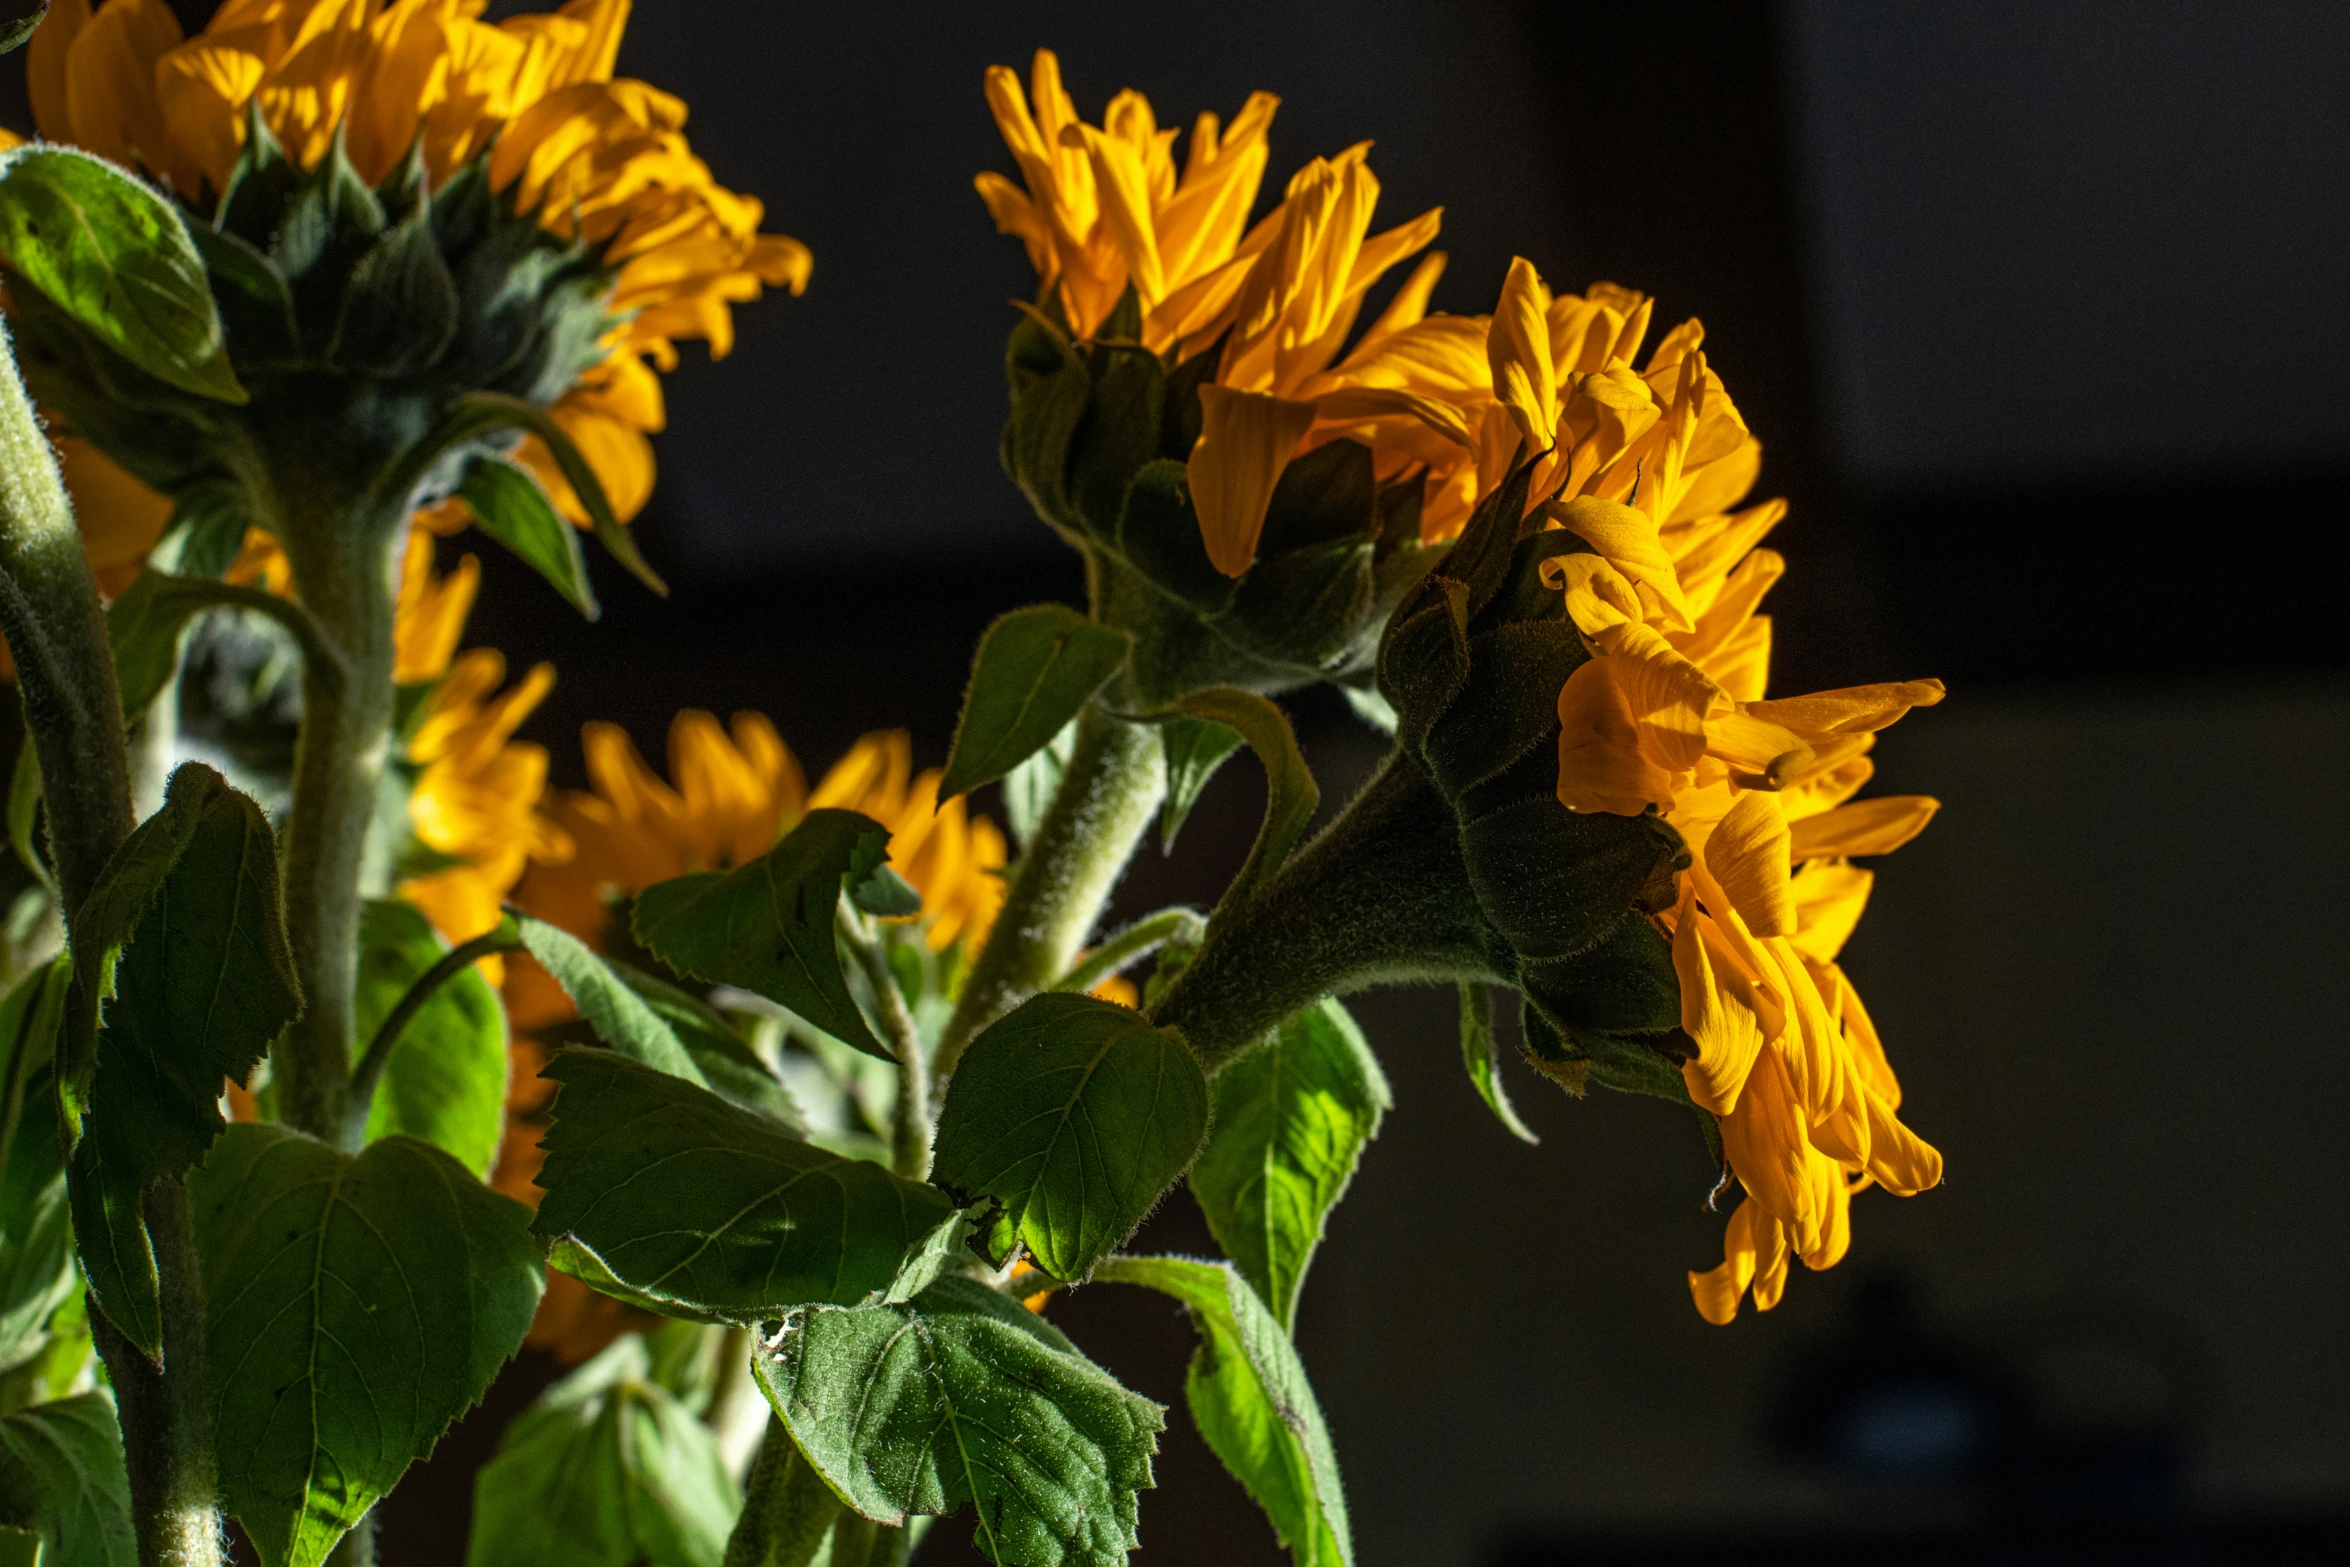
2037	310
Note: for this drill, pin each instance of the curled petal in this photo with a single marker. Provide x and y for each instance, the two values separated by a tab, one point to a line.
1876	826
1748	855
1246	439
1601	764
1853	710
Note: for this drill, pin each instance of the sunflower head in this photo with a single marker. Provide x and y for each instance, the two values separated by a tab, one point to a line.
398	206
1178	409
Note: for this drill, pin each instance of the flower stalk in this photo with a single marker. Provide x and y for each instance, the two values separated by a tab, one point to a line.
1380	896
1109	794
346	562
73	710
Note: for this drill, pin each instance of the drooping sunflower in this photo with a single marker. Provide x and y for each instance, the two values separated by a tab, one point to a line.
595	159
1276	302
1669	715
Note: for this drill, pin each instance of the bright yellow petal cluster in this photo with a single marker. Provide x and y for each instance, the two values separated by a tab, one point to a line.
1103	209
730	797
1669	714
601	158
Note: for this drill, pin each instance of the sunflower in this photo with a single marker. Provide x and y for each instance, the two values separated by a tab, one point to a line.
599	159
1670	715
1276	302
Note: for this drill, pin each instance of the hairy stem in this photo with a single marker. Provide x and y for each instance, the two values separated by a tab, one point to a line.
1182	926
1110	791
1380	896
910	1124
73	709
65	667
346	562
371	1066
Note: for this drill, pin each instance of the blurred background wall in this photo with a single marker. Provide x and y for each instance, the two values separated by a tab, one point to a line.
2039	310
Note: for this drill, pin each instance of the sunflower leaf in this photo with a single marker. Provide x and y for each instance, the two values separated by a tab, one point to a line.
357	1306
1482	1057
1292	1117
1291	795
613	1010
116	257
62	1479
1075	1115
1195	748
767	927
445	1083
960	1397
185	932
1251	1402
608	1467
1035	669
509	506
686	1201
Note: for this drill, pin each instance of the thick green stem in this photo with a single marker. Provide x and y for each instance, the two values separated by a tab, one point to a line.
1110	791
1380	896
346	562
73	708
65	667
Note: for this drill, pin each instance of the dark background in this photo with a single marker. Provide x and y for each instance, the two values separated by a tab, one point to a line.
2038	308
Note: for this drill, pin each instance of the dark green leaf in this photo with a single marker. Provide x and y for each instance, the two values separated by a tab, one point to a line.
686	1200
1292	1117
356	1306
1291	796
1196	747
399	310
767	927
446	1081
114	255
616	1012
1592	869
1482	1056
607	1469
1075	1115
1251	1401
61	1477
1036	668
509	506
960	1397
185	933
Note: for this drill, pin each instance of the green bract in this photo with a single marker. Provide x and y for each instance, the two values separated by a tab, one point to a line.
1098	436
353	319
1472	664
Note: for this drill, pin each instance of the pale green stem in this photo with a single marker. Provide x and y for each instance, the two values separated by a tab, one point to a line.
910	1123
73	708
346	563
1110	792
1183	926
